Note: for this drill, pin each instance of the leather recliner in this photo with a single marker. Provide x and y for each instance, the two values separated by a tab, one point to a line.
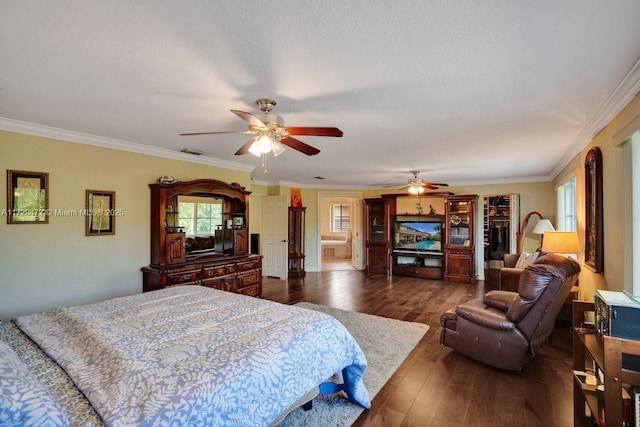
505	329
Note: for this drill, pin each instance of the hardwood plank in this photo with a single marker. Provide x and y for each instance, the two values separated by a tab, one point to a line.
435	386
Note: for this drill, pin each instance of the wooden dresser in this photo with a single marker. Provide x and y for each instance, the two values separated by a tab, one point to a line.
226	263
239	274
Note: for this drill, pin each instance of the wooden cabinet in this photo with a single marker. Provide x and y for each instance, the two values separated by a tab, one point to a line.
378	214
240	242
175	248
501	227
219	260
606	353
296	241
459	244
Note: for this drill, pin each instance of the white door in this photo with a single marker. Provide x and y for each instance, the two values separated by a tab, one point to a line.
275	226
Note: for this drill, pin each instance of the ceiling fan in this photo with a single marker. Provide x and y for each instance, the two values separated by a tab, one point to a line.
417	186
270	134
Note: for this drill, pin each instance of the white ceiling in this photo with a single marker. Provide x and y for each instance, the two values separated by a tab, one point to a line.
463	91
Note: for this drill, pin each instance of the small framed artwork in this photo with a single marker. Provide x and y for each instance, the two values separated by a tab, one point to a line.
100	218
27	197
238	222
296	197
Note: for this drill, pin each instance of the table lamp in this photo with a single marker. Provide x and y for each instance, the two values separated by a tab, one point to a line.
561	242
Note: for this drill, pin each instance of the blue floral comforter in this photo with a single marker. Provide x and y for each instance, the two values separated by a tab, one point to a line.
191	355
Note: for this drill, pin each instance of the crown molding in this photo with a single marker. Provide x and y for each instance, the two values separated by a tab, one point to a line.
115	144
626	90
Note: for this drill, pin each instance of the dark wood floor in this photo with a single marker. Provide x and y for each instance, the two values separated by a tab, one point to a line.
436	386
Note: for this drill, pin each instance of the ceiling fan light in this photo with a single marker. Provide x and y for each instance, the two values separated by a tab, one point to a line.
258	146
261	146
416	189
254	149
277	148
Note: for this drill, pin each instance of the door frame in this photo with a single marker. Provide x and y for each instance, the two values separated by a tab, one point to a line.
356	232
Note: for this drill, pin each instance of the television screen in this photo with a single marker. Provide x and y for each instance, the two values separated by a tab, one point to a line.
417	236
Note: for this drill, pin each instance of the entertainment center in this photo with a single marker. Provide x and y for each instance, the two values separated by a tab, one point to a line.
431	246
417	246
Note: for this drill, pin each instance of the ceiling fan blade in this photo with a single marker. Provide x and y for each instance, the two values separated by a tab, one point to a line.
213	133
311	131
300	146
251	119
439	184
245	147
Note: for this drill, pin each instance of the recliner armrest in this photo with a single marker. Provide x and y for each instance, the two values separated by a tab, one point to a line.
477	312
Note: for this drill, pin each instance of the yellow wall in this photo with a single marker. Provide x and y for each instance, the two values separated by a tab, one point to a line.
55	264
614	204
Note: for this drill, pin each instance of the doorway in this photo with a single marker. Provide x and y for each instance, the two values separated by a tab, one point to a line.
339	229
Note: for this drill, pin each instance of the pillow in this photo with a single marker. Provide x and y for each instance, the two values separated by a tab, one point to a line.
525	259
24	401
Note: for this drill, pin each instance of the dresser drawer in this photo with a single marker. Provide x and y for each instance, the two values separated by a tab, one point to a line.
249	278
219	270
225	283
249	265
188	277
252	290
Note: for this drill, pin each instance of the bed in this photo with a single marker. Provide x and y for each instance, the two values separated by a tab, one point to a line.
186	355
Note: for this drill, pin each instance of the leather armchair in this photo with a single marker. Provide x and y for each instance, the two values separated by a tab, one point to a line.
505	329
509	274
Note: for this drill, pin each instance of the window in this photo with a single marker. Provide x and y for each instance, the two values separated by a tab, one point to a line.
340	219
199	217
567	205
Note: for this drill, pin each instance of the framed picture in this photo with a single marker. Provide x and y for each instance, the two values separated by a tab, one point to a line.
296	197
594	246
27	197
100	218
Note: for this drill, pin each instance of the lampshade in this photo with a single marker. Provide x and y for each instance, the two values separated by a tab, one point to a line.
416	189
561	242
264	145
277	148
543	226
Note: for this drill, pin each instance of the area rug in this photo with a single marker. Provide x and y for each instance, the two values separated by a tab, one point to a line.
385	343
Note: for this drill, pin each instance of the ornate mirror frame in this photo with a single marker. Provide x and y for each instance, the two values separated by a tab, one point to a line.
594	248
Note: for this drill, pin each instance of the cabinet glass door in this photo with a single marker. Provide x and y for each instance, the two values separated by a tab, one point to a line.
376	216
459	220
